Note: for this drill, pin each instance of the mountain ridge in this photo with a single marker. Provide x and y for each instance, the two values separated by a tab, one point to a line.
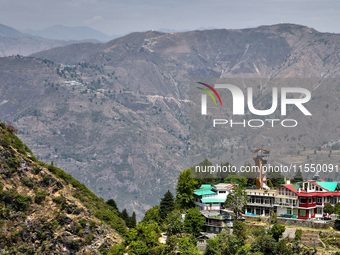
14	42
123	129
60	32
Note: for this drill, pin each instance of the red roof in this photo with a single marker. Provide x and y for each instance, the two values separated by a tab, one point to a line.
290	188
319	194
303	193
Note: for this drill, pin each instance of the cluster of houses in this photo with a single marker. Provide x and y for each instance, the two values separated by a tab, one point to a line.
304	200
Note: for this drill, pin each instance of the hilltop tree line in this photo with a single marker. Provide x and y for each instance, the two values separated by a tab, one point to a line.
129	221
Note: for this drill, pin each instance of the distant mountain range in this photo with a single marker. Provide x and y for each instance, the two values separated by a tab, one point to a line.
13	42
59	32
123	128
6	31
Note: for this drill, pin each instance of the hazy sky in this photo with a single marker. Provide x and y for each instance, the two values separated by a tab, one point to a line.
117	17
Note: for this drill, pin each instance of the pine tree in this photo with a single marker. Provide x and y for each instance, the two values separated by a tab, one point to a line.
298	176
132	221
167	205
113	204
125	216
185	189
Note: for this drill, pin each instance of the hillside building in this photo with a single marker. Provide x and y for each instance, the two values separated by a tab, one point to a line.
306	200
211	197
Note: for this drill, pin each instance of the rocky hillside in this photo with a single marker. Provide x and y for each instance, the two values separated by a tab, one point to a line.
43	210
116	115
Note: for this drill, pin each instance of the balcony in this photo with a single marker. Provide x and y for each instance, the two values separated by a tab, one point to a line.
260	204
221	224
286	204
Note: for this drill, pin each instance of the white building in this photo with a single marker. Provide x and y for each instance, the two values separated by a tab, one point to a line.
211	197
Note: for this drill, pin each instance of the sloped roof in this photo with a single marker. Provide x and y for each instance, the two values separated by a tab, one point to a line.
205	186
331	186
224	186
292	187
201	192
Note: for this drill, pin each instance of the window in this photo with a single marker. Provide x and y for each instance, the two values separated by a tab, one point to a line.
212	229
295	211
314	199
311	211
289	211
303	200
309	200
319	200
319	211
302	212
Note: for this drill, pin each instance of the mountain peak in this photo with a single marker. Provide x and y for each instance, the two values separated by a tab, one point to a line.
6	31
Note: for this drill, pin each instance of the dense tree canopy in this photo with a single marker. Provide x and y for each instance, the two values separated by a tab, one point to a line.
240	230
113	204
194	222
277	231
337	208
152	215
187	246
238	179
328	208
174	223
